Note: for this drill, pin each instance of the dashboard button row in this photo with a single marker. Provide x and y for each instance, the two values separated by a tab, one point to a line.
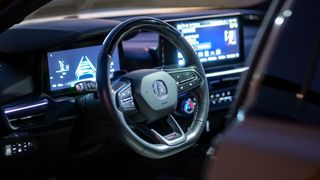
221	97
18	148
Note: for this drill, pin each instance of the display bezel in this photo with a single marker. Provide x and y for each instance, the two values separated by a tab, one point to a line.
170	52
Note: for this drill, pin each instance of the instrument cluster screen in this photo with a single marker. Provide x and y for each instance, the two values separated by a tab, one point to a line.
67	67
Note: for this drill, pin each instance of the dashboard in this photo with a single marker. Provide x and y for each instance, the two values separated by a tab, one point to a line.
40	95
216	40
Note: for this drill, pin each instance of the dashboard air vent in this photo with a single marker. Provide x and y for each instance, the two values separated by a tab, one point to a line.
26	115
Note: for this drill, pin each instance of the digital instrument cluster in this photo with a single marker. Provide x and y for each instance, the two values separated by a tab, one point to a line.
69	67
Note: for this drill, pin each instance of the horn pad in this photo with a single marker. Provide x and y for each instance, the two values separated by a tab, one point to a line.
155	91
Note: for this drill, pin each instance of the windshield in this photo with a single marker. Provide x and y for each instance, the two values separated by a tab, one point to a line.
131	7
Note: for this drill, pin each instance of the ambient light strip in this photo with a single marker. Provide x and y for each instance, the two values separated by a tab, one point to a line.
137	12
232	71
45	102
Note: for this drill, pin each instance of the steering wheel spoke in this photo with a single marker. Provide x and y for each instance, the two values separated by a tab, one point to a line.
176	137
124	96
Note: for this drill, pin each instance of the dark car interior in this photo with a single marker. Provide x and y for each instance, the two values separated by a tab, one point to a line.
77	95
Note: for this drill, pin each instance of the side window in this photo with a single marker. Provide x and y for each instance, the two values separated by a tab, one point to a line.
315	83
294	93
290	89
311	104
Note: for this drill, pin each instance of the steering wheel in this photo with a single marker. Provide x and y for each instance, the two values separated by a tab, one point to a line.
142	97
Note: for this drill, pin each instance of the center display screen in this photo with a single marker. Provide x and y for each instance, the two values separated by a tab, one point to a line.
214	39
67	67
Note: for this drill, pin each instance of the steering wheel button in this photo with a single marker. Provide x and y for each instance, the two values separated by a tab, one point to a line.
177	76
197	80
187	74
181	88
127	93
184	87
126	99
128	105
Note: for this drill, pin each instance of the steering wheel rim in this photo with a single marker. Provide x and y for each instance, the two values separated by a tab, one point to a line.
108	94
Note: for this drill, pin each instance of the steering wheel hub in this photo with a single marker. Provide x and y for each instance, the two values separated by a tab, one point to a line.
155	92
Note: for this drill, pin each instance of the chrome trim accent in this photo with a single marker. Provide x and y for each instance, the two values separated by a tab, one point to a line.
11	110
176	129
227	72
207	126
26	117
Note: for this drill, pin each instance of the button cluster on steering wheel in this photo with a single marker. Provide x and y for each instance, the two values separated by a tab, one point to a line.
186	80
125	99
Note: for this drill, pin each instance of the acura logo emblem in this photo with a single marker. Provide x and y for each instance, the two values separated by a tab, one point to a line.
160	89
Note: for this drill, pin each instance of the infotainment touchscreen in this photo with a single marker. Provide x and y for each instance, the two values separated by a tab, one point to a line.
215	40
67	67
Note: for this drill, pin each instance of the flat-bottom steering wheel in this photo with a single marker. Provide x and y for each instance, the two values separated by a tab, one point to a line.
145	96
